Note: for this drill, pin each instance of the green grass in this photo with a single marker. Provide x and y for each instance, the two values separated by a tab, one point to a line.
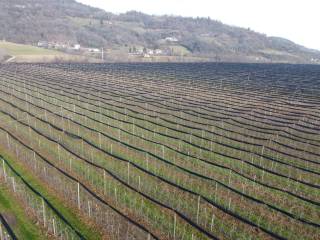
179	50
14	49
69	213
24	228
27	53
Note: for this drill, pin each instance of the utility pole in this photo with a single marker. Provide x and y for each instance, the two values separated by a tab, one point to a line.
102	54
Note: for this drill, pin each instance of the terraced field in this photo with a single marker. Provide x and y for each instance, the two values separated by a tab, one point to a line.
163	151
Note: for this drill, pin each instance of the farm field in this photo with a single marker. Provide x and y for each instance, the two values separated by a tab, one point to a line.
161	150
22	53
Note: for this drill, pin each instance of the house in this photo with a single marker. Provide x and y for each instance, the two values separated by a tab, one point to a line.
77	47
158	52
60	46
150	52
20	6
93	50
43	44
171	39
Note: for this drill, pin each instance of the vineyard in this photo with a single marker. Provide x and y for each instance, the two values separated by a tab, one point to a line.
162	151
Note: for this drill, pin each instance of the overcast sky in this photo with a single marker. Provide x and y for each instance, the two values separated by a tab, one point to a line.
297	20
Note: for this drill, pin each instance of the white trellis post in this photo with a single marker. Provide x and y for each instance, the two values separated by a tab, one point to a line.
59	152
54	227
212	222
8	141
89	209
43	213
104	182
198	209
35	160
13	185
174	226
115	194
162	151
128	172
139	178
79	204
4	171
147	156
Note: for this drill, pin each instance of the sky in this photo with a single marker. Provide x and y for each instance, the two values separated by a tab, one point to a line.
296	20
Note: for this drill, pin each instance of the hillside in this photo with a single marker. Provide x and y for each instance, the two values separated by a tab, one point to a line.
67	21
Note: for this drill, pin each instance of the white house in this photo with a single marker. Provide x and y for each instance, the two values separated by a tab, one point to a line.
150	51
77	47
94	50
158	51
171	39
43	44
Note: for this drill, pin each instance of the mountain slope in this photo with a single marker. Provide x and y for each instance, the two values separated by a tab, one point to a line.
67	21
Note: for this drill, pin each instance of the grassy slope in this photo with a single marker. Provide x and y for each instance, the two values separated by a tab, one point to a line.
28	53
22	50
66	211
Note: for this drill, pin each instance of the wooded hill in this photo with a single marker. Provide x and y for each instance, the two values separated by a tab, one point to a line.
67	21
